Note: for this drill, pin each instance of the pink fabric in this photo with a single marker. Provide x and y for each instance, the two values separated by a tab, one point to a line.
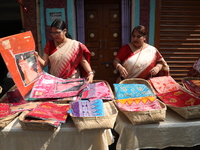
193	85
179	98
48	86
164	84
139	104
98	90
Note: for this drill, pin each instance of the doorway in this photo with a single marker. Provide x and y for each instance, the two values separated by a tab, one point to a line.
103	36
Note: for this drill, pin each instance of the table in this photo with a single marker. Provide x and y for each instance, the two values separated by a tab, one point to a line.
67	137
175	131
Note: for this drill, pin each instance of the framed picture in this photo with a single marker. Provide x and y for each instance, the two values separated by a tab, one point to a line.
54	13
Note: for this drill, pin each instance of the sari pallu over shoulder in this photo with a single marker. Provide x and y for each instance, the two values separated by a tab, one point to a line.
143	62
66	59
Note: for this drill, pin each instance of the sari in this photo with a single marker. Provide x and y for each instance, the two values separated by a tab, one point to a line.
139	64
64	61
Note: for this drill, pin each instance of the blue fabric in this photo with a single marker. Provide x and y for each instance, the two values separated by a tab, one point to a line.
123	91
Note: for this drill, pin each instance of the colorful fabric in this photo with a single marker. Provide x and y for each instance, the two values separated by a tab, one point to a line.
164	84
4	110
98	90
179	98
193	85
123	91
25	106
85	108
48	86
49	111
139	104
138	65
64	62
196	65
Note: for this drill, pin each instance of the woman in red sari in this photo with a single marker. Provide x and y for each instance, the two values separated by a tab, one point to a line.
139	59
66	58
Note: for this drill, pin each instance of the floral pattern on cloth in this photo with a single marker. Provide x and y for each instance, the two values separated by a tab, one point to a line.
139	104
179	98
98	90
123	91
85	108
164	84
48	86
49	111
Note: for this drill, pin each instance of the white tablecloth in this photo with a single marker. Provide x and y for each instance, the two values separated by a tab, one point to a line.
174	131
12	137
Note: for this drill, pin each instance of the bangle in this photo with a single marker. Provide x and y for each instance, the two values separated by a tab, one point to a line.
91	72
117	66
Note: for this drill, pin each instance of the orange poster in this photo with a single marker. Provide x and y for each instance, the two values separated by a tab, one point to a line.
18	53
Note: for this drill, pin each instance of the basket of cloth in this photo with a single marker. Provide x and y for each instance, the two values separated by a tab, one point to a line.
136	98
105	121
192	84
182	102
142	110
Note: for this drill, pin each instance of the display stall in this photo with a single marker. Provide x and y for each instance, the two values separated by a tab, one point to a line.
175	131
65	137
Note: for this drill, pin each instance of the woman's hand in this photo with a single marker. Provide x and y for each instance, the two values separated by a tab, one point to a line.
123	72
90	78
154	71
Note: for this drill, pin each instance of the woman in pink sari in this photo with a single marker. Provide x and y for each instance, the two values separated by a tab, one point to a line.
66	58
139	59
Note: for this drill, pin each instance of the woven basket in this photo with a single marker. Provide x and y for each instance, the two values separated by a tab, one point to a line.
145	117
188	90
100	122
34	125
6	120
138	81
190	112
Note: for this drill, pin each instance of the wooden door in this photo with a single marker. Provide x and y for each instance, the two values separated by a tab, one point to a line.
178	34
103	36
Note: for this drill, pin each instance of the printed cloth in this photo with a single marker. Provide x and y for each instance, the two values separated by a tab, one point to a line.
98	90
193	85
85	108
179	98
4	110
48	86
142	61
164	84
25	106
123	91
49	111
139	104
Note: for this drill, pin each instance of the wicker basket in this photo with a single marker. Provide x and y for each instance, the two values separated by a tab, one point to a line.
34	125
145	117
6	120
100	122
190	112
138	81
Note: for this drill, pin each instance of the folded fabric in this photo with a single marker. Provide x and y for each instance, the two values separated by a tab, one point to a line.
179	98
164	84
139	104
123	91
85	108
48	86
4	110
49	111
25	106
98	90
193	85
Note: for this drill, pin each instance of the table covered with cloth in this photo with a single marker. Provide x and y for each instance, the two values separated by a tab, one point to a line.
175	131
66	137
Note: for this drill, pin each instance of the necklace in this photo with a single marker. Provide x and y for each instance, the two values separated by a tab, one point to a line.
59	45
